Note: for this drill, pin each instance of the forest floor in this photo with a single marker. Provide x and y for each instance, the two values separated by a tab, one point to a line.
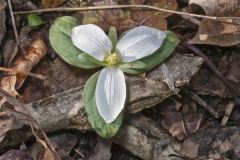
186	108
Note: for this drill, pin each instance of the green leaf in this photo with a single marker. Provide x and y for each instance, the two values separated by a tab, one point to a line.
34	20
145	64
112	34
60	39
104	129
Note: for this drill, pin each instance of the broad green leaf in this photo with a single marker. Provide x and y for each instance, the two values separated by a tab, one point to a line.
104	129
112	34
145	64
34	20
60	39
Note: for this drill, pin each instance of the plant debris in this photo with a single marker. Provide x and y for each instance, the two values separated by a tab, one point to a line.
217	32
187	107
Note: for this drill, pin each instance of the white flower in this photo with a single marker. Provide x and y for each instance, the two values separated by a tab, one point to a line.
111	87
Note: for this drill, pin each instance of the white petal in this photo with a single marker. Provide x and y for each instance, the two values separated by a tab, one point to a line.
110	93
140	42
91	39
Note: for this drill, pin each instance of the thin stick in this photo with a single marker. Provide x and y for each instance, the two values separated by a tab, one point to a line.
67	9
13	21
190	18
35	128
39	76
201	102
228	112
211	66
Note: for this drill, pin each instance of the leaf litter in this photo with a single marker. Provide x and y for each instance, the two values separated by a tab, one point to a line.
182	118
217	32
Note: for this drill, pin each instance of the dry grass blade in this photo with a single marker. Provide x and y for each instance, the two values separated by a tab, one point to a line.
65	9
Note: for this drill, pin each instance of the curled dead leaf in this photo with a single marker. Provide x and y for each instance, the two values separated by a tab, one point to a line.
14	79
215	7
216	32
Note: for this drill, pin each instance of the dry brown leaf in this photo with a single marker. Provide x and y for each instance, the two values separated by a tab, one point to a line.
206	83
10	49
127	19
216	143
192	121
217	6
179	125
52	3
41	151
64	144
45	149
48	154
216	32
14	80
150	17
10	120
173	122
21	154
61	77
2	19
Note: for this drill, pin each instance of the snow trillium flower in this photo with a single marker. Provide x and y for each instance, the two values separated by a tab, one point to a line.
137	43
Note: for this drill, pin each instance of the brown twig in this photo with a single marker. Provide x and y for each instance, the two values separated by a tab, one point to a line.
39	76
13	21
39	135
79	153
228	112
211	66
67	9
201	102
190	18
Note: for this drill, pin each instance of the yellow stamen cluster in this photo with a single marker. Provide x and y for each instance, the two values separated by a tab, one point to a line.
112	58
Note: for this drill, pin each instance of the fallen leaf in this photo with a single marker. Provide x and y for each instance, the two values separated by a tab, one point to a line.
10	120
52	3
217	32
180	123
217	6
102	150
14	80
41	151
64	143
61	77
206	83
44	149
173	122
214	143
21	154
2	19
229	66
127	19
152	18
192	121
168	77
10	49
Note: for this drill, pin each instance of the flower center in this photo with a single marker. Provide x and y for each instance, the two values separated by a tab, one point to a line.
112	58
